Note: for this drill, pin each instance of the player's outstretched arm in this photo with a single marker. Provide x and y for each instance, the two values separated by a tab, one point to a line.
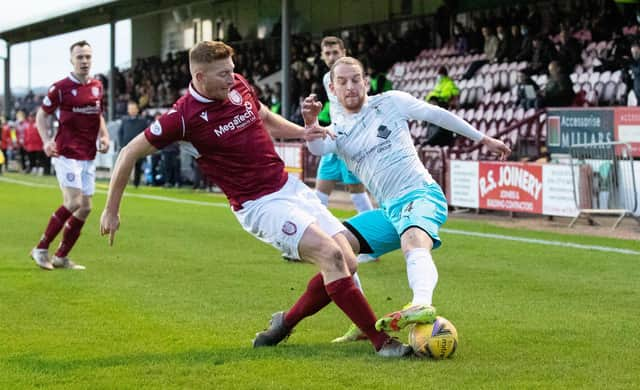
412	108
138	148
279	127
320	140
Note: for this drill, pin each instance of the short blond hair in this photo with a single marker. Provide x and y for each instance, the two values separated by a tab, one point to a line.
346	61
206	52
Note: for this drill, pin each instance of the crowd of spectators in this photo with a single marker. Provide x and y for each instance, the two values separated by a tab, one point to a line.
550	40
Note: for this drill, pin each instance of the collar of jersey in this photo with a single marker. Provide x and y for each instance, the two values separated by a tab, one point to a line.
197	96
75	80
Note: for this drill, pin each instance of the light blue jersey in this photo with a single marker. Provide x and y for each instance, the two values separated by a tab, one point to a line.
377	146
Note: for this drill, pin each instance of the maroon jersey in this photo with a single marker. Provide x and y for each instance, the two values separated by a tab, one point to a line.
235	149
79	110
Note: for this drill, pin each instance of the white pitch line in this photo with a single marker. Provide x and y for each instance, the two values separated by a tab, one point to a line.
541	242
25	183
444	230
127	194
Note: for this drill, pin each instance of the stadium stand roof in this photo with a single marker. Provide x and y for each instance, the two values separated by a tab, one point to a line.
93	13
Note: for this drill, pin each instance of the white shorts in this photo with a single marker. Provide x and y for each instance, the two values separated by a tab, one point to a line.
281	218
80	174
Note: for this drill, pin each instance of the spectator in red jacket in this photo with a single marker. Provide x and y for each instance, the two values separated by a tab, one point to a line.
34	147
7	144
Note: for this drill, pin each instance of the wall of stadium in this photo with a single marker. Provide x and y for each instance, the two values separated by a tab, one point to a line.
146	36
171	30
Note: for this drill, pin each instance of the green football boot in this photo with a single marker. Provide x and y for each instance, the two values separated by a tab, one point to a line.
417	314
353	334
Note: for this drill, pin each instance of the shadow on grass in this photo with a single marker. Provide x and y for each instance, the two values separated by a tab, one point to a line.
215	356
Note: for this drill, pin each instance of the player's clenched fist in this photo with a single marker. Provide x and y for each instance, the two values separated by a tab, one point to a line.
311	108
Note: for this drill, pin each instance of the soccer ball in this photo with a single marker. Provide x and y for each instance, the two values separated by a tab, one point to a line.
438	340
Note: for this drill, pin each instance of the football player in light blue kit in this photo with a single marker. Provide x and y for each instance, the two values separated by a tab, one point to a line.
332	169
373	139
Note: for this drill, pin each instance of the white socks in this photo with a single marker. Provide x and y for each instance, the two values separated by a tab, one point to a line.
356	281
361	201
324	198
422	274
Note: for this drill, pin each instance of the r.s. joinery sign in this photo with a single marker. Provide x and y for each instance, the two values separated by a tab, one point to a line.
520	187
513	187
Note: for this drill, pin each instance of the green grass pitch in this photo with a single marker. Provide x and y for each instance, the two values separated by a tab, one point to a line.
176	302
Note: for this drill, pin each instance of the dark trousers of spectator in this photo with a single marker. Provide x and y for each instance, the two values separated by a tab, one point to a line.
197	176
137	172
46	163
23	159
171	168
155	170
473	68
38	159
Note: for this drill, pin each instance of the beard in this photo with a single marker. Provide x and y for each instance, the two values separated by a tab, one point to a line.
353	103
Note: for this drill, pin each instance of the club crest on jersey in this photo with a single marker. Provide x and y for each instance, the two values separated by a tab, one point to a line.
95	91
235	98
289	228
71	176
383	132
156	128
204	116
74	92
46	101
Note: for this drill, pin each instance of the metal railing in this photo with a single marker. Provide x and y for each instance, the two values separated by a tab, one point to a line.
604	181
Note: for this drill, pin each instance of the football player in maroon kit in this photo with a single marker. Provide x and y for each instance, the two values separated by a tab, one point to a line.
231	131
77	103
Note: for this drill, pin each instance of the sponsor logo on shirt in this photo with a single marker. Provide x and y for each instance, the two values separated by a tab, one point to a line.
155	128
235	97
204	116
74	92
46	101
239	121
383	132
88	110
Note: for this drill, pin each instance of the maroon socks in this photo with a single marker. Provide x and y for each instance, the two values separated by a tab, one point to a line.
313	299
69	236
348	298
56	223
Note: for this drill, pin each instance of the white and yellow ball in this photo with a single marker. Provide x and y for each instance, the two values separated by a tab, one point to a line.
438	340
